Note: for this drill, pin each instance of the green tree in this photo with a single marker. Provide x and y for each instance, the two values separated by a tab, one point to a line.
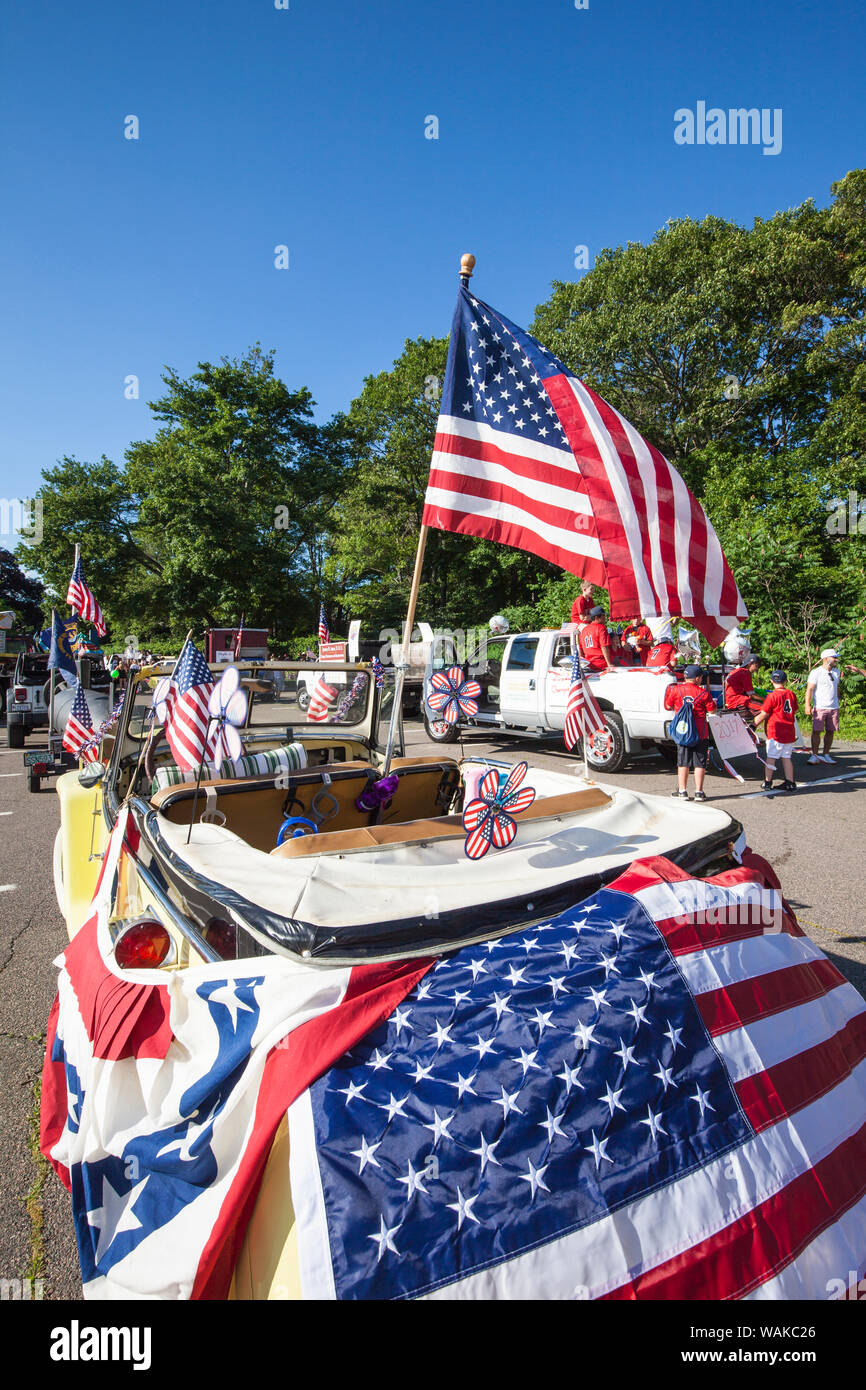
19	592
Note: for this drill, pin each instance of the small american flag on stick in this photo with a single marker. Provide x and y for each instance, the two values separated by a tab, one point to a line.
187	726
324	633
78	734
583	716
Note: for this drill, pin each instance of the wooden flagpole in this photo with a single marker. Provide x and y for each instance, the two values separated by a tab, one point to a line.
467	265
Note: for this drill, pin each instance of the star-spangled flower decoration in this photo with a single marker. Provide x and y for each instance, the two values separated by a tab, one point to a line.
452	695
489	818
227	707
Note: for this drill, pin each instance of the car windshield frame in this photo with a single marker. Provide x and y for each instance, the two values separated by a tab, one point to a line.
131	742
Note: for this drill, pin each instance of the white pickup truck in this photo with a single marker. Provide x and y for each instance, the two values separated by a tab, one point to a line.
525	679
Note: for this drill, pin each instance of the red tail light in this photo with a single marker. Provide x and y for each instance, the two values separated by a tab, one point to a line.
20	694
223	937
142	946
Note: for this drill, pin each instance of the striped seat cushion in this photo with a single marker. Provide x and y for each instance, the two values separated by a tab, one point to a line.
291	757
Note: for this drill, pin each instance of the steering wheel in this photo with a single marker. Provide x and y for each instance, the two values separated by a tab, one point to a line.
293	827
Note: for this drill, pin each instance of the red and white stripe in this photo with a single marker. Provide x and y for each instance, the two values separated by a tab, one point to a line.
610	508
322	698
583	718
187	726
83	602
76	738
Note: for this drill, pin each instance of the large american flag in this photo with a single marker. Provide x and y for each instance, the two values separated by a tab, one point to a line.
324	634
79	733
82	601
659	1094
528	455
190	735
583	718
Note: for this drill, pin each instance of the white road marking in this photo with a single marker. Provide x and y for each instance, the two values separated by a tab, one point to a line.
802	786
11	774
8	887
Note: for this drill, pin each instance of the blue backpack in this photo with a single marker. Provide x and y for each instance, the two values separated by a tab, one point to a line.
684	728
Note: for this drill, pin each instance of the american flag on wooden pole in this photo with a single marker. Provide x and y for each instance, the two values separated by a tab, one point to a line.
324	634
81	599
528	455
78	734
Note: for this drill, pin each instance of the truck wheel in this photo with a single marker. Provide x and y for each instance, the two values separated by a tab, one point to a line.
441	732
303	697
15	735
606	750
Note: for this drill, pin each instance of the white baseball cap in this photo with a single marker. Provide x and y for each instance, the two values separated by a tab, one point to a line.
829	651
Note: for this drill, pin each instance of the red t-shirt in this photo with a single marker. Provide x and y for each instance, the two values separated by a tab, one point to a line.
580	609
738	688
663	654
703	701
781	706
590	640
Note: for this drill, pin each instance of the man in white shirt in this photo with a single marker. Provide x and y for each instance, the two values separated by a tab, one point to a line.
822	704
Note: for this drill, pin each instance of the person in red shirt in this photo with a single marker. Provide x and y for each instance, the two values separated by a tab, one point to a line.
593	642
739	691
663	653
662	657
637	635
624	654
580	609
780	711
696	756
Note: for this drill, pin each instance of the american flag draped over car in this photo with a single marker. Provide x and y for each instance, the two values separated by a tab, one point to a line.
659	1093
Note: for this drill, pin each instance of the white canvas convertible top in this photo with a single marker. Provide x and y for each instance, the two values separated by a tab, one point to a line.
428	878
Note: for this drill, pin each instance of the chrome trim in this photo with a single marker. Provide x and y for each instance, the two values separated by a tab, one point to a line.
189	932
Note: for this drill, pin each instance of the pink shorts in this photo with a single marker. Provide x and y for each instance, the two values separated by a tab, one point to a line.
825	721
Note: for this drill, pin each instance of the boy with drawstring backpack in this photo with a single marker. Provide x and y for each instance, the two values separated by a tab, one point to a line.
690	731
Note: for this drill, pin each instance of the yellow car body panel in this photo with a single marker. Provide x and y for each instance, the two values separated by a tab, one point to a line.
83	837
267	1266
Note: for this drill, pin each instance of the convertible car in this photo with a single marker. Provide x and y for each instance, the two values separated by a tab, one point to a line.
470	1030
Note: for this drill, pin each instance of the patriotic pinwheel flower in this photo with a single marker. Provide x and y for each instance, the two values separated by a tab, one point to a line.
453	695
227	708
489	818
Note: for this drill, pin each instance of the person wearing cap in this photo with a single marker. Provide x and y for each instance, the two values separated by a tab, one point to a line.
780	711
580	609
822	704
593	642
739	690
696	756
663	653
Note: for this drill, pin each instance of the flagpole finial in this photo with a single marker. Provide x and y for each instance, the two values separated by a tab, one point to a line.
467	265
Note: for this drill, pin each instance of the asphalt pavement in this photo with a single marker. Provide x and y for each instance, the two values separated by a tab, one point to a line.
813	837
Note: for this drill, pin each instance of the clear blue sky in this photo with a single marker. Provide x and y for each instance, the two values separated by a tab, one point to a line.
305	127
